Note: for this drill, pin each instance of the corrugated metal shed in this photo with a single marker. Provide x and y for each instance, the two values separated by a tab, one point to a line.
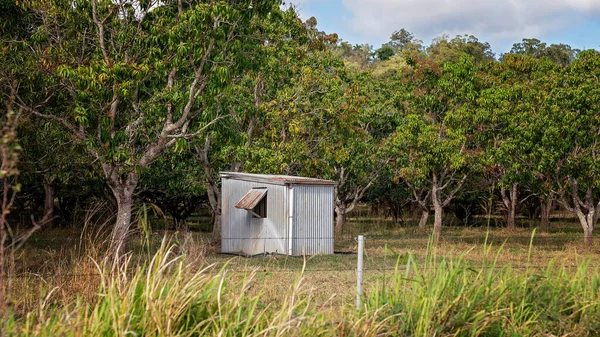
276	214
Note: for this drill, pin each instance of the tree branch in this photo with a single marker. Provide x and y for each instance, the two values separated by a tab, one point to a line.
454	191
100	25
193	93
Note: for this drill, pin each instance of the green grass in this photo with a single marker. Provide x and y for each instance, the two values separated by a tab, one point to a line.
450	297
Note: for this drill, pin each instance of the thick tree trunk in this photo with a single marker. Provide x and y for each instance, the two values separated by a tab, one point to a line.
121	230
546	210
122	188
48	199
511	225
587	237
510	201
586	209
340	221
424	218
588	222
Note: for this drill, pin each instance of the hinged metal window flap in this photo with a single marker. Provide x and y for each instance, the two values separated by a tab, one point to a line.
252	199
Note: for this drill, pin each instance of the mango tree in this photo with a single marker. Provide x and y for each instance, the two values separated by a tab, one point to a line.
357	149
540	136
273	65
515	97
320	125
575	131
561	54
141	76
433	145
443	49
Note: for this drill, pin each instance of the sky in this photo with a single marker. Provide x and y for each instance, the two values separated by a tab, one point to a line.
499	22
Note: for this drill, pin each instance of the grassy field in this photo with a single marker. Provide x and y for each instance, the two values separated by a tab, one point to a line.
477	281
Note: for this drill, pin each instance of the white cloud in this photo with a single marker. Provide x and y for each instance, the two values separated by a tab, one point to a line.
497	21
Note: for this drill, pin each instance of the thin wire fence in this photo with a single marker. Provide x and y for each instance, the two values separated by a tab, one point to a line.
386	262
372	237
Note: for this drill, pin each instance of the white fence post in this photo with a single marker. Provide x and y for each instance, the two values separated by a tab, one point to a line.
359	270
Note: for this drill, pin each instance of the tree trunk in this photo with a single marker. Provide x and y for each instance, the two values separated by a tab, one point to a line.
216	235
510	201
48	199
424	218
587	237
122	188
587	212
214	199
511	218
546	210
437	222
438	209
588	223
340	221
213	191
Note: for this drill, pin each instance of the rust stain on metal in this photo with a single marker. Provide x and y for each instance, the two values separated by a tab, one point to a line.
281	179
300	180
252	198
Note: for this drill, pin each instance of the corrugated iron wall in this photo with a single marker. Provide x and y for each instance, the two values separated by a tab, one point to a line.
244	234
313	220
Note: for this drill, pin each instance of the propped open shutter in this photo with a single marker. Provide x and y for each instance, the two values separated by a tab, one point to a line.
251	200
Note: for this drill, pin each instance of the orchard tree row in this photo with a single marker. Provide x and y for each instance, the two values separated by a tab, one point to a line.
147	100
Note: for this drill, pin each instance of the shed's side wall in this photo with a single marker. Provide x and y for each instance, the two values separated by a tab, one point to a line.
313	220
241	233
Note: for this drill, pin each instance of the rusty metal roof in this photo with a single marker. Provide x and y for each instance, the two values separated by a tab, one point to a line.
251	199
276	179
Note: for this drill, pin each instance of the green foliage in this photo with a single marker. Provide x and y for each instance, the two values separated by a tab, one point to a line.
512	115
385	52
144	78
386	69
175	183
325	123
443	49
561	54
579	98
434	132
249	86
9	148
309	120
402	40
275	66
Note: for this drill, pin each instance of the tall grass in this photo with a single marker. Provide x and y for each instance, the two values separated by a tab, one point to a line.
450	297
168	295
